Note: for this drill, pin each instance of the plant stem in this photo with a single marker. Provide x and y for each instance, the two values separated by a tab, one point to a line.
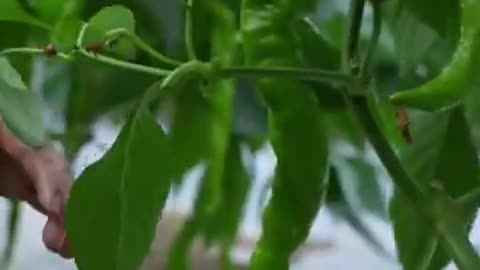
372	46
116	62
385	152
126	65
360	106
26	50
142	45
454	238
350	53
366	119
469	201
186	72
293	73
457	244
189	31
81	34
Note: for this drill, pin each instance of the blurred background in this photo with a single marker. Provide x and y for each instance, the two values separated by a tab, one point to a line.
85	103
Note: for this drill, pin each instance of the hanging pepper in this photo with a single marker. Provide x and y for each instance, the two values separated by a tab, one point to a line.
452	84
219	96
296	134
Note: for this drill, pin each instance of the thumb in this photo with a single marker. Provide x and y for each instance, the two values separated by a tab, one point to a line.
55	238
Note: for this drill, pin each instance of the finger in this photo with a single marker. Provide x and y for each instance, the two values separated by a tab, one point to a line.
11	144
55	239
61	177
14	182
47	170
52	235
64	249
37	206
39	176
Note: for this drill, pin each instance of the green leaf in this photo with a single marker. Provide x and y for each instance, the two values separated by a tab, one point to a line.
250	115
10	76
412	40
20	109
445	20
189	131
50	10
342	126
11	10
12	232
115	204
438	140
65	33
319	53
415	242
107	19
336	201
97	89
317	50
361	186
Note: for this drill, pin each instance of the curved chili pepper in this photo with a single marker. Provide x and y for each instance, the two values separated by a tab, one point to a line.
219	95
296	130
452	84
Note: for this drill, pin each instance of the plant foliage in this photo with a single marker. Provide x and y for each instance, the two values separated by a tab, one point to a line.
210	82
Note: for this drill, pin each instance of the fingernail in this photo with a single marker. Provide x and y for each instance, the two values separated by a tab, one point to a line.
64	248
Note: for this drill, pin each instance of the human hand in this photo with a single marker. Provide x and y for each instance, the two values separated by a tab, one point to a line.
39	177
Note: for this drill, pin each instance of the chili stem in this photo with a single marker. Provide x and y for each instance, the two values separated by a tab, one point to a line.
385	152
126	65
360	104
189	31
115	33
116	62
26	50
350	53
372	46
469	201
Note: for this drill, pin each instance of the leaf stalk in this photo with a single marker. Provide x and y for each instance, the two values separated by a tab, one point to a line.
116	33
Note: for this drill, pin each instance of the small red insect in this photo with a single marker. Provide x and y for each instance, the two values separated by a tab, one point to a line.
404	124
95	48
50	50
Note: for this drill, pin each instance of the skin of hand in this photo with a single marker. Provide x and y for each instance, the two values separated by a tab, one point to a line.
40	177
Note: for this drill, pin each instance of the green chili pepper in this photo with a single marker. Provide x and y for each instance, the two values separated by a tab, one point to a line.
219	96
295	130
452	84
236	182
